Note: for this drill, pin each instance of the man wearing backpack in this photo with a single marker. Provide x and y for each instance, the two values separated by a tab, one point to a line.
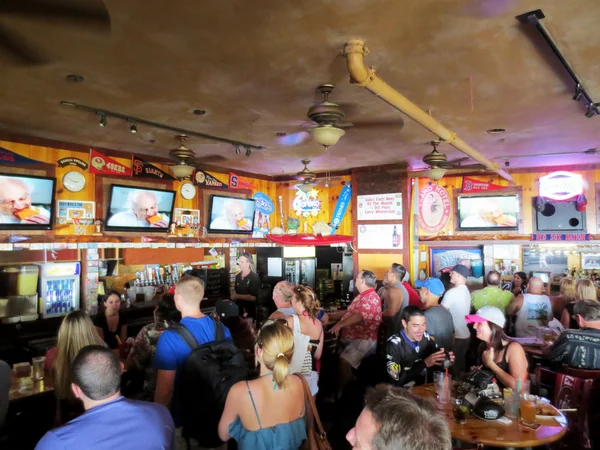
182	379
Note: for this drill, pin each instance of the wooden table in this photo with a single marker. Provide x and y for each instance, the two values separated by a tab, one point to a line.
494	433
25	387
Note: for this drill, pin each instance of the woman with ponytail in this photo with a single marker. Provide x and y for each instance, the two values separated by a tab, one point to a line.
308	335
268	412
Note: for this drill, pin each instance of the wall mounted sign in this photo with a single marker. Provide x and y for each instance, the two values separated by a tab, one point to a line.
561	185
307	204
237	182
473	185
380	207
103	164
341	206
70	209
141	168
264	208
434	208
72	161
561	237
203	178
10	157
380	236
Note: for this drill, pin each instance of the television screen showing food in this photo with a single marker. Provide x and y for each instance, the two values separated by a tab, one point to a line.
231	215
488	212
139	209
26	202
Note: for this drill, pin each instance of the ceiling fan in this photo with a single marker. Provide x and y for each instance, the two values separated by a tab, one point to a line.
85	14
439	165
329	118
306	177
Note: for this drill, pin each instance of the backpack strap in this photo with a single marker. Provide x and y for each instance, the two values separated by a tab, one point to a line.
185	334
219	333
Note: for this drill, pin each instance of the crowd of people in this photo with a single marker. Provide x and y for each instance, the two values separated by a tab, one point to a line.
205	380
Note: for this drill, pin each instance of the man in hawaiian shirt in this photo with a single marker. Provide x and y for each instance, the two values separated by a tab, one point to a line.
360	324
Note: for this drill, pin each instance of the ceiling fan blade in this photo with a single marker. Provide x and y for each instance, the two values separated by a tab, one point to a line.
73	13
17	49
289	140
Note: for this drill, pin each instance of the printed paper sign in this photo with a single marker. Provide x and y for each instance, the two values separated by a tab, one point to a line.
384	237
103	164
380	207
72	209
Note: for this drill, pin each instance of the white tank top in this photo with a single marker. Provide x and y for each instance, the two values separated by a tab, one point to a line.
536	312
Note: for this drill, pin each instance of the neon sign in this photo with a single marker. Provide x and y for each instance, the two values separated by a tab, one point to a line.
306	205
561	185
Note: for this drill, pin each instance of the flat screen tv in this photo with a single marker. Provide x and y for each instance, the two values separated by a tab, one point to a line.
26	202
138	209
493	212
231	215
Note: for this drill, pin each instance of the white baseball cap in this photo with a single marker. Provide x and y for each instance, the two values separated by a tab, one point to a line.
487	314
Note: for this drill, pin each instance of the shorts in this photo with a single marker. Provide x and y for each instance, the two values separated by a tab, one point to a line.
356	350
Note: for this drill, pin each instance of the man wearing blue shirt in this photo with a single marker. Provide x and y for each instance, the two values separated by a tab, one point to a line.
110	421
172	351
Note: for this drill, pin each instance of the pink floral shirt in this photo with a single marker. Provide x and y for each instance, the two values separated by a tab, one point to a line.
368	305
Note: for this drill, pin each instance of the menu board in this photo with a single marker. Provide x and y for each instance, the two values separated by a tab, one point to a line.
384	237
380	207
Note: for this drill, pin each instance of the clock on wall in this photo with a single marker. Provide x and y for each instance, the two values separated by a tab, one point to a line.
73	181
188	191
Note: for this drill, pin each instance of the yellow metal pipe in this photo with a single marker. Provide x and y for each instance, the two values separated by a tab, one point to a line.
354	52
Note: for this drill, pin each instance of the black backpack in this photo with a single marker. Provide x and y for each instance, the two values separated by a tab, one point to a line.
208	373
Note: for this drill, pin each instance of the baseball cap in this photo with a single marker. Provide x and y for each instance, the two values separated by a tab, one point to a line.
463	270
226	308
487	314
433	285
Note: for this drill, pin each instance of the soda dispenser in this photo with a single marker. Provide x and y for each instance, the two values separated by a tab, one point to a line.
59	287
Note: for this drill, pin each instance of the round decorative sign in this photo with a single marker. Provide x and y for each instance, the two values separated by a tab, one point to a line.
434	208
263	203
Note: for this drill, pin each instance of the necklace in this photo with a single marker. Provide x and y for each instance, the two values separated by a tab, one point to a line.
275	386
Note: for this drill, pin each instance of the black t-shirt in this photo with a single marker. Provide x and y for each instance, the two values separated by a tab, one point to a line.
405	361
109	337
577	348
250	284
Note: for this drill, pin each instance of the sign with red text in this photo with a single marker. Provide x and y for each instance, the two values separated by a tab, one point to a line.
10	157
561	185
473	185
380	206
434	208
561	237
237	182
105	165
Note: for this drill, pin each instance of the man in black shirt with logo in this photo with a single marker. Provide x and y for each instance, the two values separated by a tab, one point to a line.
412	351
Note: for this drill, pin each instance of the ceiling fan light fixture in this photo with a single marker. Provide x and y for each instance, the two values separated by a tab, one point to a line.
305	187
436	173
327	135
182	170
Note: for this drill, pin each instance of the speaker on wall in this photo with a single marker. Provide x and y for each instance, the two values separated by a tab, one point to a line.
559	216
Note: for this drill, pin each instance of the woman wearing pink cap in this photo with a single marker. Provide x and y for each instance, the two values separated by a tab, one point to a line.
499	354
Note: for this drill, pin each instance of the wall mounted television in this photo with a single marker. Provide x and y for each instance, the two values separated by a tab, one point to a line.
137	209
489	212
26	202
230	215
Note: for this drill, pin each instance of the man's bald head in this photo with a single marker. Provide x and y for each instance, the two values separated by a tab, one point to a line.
15	195
535	285
144	204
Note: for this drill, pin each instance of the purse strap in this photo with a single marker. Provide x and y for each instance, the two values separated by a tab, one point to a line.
310	401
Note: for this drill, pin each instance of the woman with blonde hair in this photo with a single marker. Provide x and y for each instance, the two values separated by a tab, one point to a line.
267	412
282	296
586	290
567	295
308	335
76	331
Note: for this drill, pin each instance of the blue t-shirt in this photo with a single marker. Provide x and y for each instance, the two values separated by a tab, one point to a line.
172	351
120	424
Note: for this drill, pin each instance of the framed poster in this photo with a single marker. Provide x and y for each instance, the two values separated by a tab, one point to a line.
590	261
74	209
380	207
380	237
443	259
186	217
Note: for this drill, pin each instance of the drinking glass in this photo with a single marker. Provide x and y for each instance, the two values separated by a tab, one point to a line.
442	384
527	408
460	410
38	367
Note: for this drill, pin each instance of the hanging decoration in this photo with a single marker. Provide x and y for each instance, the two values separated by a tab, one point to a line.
145	169
72	161
205	179
434	208
341	207
262	218
472	185
307	204
10	157
237	182
103	164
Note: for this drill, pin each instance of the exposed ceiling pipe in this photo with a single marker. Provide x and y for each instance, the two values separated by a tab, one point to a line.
354	52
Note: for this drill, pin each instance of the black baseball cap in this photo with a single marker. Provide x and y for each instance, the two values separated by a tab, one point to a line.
226	308
463	270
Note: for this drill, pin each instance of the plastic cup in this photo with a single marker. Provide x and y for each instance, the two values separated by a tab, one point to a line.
527	408
38	367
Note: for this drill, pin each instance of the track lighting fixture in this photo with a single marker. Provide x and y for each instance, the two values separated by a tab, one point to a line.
103	113
248	151
578	93
237	150
590	112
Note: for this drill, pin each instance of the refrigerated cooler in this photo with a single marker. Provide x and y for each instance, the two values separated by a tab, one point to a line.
59	286
299	265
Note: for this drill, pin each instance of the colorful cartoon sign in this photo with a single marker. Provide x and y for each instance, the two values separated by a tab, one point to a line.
103	164
341	206
434	208
141	168
307	204
561	185
75	209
